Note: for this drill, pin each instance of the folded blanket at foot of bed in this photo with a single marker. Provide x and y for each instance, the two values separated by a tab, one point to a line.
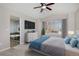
38	42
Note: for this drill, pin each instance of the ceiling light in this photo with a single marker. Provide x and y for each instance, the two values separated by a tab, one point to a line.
44	7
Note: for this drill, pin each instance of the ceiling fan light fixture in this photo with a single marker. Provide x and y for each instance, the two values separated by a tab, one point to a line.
44	7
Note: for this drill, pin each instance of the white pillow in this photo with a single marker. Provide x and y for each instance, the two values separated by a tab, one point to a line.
54	35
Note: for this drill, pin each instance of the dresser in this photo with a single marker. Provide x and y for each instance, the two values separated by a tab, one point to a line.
32	36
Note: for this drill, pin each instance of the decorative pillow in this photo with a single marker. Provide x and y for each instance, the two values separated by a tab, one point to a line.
75	36
78	44
73	42
67	40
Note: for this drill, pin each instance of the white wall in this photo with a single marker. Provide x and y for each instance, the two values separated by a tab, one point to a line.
77	21
38	26
73	21
4	29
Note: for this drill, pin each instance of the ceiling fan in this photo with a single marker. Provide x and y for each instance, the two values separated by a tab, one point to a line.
44	6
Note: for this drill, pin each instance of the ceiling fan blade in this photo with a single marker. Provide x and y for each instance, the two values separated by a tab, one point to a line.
48	8
37	7
41	10
50	4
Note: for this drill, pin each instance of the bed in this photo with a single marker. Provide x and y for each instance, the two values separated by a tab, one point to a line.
53	46
69	51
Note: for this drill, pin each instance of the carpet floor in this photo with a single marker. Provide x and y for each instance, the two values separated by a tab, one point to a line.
19	50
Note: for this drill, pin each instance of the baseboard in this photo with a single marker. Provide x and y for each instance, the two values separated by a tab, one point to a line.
4	49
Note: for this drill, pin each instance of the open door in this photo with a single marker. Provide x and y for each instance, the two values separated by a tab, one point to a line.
14	31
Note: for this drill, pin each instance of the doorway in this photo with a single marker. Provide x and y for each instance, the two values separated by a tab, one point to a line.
14	31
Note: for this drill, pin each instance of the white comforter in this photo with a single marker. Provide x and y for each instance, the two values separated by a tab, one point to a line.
69	51
54	46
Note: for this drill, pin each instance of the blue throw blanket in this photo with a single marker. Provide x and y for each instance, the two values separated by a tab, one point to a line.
38	42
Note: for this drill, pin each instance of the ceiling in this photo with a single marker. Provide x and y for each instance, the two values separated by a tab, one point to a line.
57	9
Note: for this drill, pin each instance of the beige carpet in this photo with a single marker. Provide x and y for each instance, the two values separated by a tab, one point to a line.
20	50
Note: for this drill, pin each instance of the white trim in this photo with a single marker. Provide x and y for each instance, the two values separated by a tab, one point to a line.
4	49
